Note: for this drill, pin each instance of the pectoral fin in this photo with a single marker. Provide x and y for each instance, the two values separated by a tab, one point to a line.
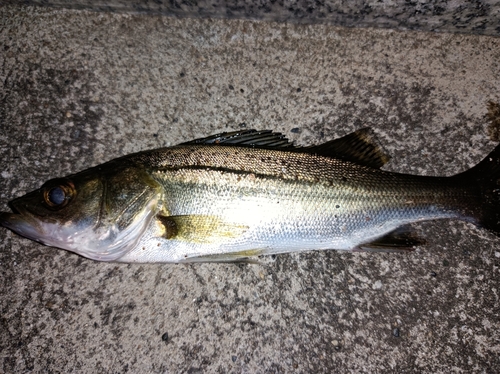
400	240
199	228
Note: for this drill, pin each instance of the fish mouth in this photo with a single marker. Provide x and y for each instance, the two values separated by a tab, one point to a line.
20	225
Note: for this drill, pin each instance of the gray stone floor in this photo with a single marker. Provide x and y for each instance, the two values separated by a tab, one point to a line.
80	88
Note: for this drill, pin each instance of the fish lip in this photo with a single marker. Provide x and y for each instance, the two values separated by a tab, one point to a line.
9	219
5	218
20	225
23	214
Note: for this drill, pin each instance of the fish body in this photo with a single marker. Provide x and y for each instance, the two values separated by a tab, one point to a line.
232	196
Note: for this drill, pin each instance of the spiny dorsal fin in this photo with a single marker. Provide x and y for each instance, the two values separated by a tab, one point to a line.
359	147
246	138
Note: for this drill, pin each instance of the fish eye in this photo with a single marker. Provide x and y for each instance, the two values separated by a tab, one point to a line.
58	196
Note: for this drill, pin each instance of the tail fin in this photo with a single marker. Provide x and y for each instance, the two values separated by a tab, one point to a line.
485	179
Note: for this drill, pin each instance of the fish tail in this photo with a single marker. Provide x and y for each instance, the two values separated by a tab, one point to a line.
484	180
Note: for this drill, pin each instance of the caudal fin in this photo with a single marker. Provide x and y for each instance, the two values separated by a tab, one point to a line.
485	179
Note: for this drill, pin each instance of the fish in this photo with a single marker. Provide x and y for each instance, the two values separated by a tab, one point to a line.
238	195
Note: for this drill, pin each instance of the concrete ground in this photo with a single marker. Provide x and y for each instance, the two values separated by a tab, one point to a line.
80	88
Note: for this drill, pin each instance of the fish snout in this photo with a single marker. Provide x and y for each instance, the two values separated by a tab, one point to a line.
6	219
18	224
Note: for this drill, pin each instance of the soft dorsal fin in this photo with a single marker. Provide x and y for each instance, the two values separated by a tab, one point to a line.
359	147
246	138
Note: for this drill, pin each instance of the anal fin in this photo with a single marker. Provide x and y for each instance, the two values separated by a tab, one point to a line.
401	240
240	257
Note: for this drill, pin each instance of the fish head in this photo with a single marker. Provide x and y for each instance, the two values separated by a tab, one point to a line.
99	213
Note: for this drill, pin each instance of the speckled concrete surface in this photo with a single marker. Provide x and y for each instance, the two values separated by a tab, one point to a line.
80	88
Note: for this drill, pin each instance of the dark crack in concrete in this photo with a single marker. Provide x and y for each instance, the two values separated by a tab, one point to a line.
459	16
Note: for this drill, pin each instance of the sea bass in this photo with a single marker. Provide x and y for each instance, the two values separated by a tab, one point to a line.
235	195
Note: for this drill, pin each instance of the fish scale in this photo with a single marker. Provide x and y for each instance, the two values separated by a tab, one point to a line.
235	195
306	217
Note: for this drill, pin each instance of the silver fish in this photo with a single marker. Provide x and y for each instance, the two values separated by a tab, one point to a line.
235	195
